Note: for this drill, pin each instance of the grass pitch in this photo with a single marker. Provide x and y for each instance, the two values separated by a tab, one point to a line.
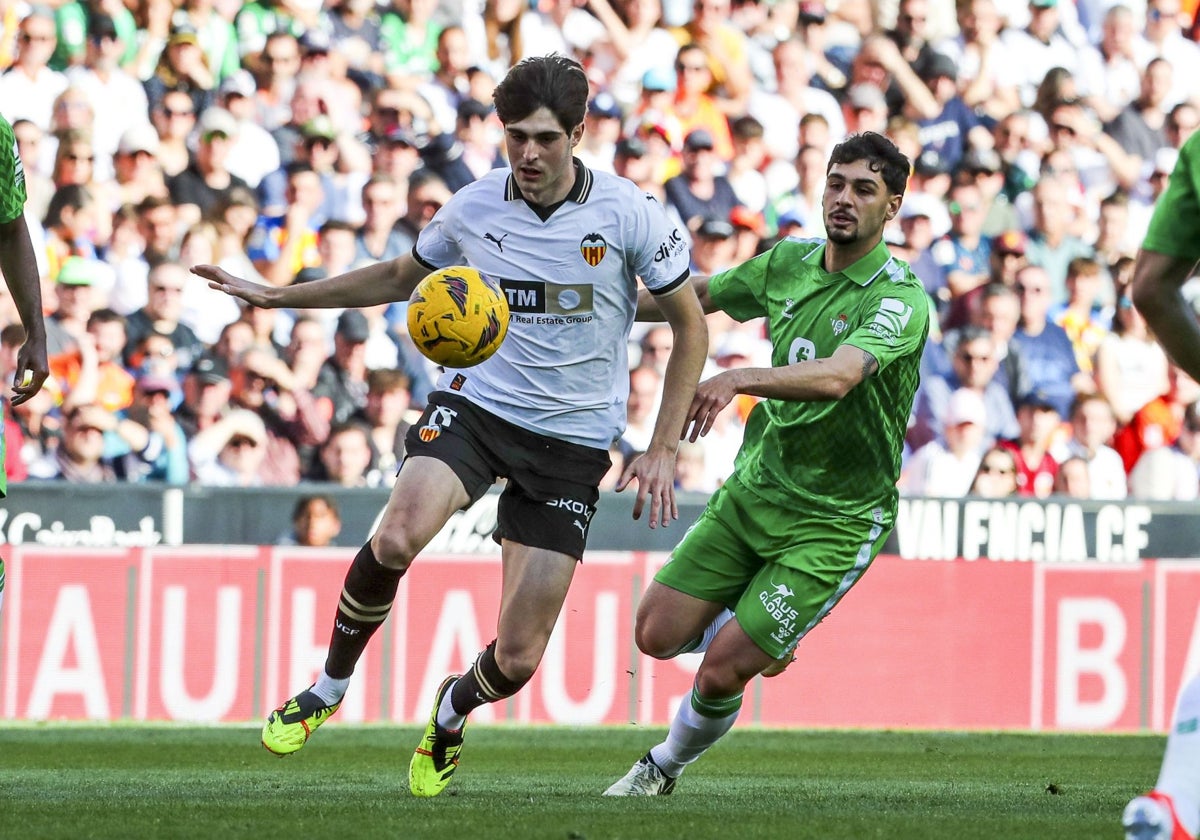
166	781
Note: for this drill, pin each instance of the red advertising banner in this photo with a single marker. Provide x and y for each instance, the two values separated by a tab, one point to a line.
225	634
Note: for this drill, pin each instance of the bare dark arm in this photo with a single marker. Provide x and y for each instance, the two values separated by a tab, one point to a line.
1157	281
19	265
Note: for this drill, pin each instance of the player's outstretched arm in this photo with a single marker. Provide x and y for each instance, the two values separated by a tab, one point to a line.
19	266
655	469
1157	283
373	284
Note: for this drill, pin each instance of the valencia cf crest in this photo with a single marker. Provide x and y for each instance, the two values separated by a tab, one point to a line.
593	247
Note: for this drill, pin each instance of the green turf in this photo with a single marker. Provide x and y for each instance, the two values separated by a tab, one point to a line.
164	781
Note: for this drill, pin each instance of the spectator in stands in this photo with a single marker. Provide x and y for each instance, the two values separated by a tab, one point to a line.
164	457
947	467
307	349
214	31
691	472
880	64
31	145
92	373
645	390
1073	478
173	118
283	245
1084	317
427	192
1131	367
602	130
388	401
139	175
1092	426
207	179
1158	423
803	201
1140	127
694	106
293	424
30	87
81	458
1164	38
1170	471
1112	67
996	476
408	37
345	458
316	520
1040	424
973	365
253	151
1046	353
985	80
183	66
277	68
724	47
793	97
446	88
963	254
342	382
75	303
230	452
713	246
206	389
632	160
162	314
698	192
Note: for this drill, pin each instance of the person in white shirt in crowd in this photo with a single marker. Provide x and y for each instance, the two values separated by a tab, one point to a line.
1092	426
946	467
253	152
29	88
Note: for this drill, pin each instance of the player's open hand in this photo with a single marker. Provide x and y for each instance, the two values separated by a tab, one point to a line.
712	395
221	280
655	474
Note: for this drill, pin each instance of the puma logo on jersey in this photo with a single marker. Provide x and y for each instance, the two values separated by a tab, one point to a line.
499	242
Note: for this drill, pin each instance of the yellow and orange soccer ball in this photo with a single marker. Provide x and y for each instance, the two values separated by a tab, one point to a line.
457	316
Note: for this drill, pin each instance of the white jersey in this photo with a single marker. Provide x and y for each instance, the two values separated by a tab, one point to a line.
571	283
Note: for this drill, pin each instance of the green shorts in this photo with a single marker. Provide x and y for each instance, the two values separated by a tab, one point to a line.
780	571
1176	218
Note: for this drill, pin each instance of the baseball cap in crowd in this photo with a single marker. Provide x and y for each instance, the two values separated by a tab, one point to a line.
353	327
78	271
930	163
101	26
149	383
866	97
789	217
921	204
139	138
1010	242
210	370
473	108
658	78
981	160
238	83
714	229
736	344
697	139
315	41
630	147
894	235
965	406
747	219
1036	399
319	127
939	64
218	121
183	33
401	136
812	11
603	105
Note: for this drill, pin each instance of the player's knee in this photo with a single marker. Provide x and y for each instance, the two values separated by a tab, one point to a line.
718	680
395	549
653	640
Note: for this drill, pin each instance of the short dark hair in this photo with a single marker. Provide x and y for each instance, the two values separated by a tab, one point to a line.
303	502
545	81
881	155
386	379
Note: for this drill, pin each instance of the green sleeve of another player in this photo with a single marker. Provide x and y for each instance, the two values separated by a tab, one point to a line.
1176	218
12	175
895	321
741	292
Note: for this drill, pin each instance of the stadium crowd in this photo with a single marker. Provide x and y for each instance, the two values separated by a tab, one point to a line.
289	140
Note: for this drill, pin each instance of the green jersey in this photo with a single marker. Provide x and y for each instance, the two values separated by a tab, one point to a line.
840	456
12	175
1176	218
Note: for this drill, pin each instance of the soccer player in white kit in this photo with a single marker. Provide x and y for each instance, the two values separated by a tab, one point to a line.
567	245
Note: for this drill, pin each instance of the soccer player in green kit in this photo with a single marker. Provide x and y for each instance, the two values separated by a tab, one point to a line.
19	266
1167	260
813	495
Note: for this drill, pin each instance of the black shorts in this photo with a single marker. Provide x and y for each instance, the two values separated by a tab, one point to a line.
552	486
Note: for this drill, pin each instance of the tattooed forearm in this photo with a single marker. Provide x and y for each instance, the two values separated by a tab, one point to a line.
869	365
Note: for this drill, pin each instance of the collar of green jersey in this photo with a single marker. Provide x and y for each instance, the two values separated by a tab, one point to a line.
862	272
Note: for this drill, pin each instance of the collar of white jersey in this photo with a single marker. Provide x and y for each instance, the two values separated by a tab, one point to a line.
862	272
579	193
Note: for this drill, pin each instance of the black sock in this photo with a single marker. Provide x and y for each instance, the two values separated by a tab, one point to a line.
484	683
367	597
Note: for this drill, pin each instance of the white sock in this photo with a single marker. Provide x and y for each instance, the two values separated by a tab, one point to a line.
1179	777
330	690
692	733
710	632
447	718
